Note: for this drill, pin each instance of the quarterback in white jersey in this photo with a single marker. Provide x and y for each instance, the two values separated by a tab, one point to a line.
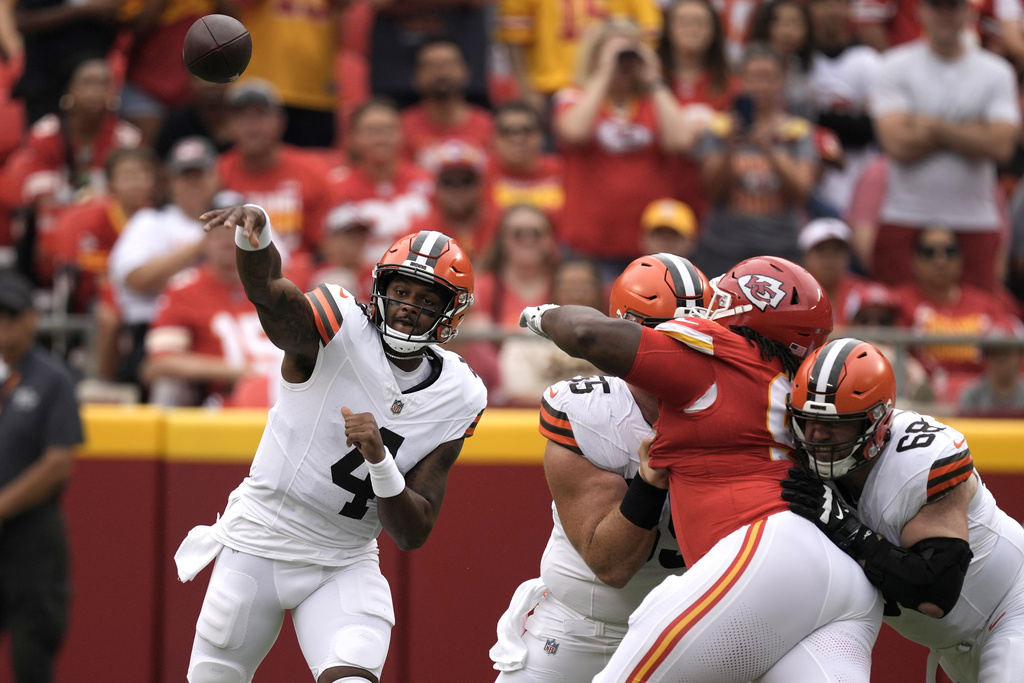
612	540
371	416
906	501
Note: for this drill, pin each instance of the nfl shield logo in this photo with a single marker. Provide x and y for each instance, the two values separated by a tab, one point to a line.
396	407
551	646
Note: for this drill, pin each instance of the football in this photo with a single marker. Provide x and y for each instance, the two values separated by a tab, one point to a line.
217	48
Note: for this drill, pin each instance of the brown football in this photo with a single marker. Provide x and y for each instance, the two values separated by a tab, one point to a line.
217	48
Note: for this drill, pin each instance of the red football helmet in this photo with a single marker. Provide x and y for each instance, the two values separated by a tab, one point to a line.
846	382
660	287
775	298
431	257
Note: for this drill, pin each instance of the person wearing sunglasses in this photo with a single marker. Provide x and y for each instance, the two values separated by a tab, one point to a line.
937	301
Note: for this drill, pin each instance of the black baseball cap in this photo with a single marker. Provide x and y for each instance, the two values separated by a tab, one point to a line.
15	292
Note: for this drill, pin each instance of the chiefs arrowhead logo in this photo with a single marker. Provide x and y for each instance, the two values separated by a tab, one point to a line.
762	291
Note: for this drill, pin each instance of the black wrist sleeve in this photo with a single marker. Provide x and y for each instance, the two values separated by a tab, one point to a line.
643	503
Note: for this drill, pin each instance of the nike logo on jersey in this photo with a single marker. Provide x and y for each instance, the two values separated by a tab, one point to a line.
552	392
993	624
960	443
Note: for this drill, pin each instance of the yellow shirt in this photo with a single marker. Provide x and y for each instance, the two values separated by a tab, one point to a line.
293	47
550	31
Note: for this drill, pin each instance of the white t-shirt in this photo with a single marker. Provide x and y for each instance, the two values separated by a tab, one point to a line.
945	188
150	233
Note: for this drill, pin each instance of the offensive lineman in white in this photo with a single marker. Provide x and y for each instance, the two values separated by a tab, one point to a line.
371	416
612	540
906	502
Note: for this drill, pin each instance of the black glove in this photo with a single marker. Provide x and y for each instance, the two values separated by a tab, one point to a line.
812	499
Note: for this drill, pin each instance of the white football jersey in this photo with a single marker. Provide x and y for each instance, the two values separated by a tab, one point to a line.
597	418
308	496
921	462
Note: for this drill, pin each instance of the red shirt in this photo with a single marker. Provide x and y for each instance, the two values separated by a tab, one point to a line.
84	235
389	206
293	192
611	179
725	460
422	135
971	314
200	313
51	174
542	187
499	303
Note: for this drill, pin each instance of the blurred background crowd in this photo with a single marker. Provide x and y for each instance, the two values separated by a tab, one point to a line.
877	142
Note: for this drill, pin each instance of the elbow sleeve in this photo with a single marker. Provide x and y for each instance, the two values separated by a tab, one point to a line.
933	570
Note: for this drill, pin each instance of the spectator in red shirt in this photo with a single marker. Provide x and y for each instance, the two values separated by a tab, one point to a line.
206	334
520	173
443	113
692	50
827	255
63	158
85	233
618	129
938	302
290	183
390	192
460	206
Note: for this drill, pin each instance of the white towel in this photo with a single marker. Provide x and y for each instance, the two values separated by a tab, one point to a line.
509	653
195	552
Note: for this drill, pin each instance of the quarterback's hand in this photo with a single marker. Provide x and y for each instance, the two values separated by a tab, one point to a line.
812	499
251	219
531	315
361	431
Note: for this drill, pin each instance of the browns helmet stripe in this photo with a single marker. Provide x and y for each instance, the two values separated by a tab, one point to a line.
685	280
428	247
828	368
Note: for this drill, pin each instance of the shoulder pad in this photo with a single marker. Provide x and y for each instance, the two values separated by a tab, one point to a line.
697	333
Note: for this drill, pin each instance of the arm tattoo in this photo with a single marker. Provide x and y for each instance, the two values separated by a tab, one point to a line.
282	308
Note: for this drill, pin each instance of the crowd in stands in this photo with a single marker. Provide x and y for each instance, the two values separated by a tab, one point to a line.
877	142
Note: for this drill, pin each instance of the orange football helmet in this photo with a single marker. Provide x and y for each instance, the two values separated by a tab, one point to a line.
659	287
431	257
776	298
846	381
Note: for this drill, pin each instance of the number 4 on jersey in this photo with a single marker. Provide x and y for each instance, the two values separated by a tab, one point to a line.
360	487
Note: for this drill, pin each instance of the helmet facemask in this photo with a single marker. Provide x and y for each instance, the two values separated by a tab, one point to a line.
442	329
853	453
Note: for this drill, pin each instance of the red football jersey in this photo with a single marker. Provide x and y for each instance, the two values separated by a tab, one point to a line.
200	313
423	136
971	314
294	193
611	180
721	428
542	188
390	207
83	235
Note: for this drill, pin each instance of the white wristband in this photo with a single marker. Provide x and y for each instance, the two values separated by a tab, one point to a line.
386	479
265	237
